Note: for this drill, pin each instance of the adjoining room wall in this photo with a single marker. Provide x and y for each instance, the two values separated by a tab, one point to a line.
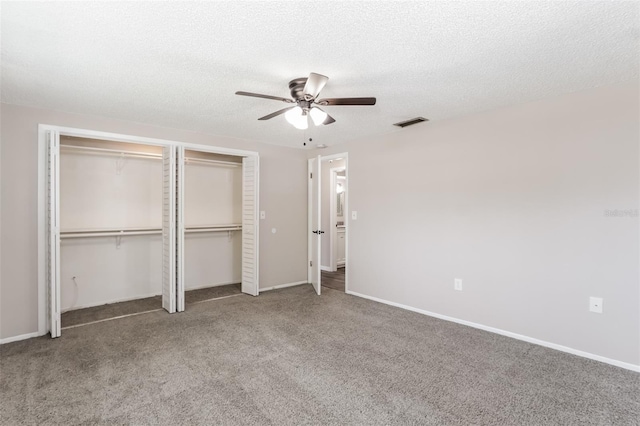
325	195
534	207
283	195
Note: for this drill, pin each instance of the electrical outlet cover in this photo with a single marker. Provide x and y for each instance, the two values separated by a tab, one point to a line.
595	304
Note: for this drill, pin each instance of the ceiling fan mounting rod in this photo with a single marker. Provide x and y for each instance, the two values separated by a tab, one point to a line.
305	105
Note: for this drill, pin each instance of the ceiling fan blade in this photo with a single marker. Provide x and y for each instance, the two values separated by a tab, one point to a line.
258	95
314	85
275	114
329	120
346	101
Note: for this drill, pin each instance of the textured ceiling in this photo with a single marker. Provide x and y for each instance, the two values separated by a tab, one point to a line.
178	64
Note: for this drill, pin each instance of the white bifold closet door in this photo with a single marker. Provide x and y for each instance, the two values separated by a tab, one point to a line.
250	185
180	229
169	204
53	231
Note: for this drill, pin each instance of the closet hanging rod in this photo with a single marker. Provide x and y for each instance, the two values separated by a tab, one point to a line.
192	231
226	225
86	234
111	151
207	161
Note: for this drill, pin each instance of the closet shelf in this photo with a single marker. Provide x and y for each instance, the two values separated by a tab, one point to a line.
108	151
109	232
189	160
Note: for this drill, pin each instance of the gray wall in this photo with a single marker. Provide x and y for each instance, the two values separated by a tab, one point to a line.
283	195
514	202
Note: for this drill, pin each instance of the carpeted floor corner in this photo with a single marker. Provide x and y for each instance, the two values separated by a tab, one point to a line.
291	357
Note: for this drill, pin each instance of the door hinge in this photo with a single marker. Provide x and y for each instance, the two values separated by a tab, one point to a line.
311	263
310	175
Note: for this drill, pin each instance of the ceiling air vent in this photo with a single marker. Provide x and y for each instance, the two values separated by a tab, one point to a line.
411	122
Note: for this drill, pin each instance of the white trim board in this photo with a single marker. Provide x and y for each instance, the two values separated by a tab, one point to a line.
110	302
325	268
20	337
621	364
275	287
143	140
200	287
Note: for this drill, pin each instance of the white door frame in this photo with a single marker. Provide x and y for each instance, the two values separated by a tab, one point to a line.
345	156
43	321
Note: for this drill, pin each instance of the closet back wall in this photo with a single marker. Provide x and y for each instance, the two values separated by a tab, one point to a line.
104	191
283	195
213	196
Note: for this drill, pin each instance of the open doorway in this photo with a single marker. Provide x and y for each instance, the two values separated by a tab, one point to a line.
328	224
334	261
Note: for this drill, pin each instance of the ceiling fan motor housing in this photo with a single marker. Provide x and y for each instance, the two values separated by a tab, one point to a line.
297	86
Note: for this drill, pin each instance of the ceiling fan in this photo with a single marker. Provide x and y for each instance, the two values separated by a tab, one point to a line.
304	94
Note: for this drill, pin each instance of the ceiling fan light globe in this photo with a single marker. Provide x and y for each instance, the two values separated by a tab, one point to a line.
318	116
302	123
297	118
293	115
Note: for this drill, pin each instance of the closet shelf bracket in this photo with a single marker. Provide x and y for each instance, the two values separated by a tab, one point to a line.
120	162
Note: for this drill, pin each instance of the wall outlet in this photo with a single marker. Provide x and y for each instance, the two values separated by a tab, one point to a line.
595	304
263	215
457	284
354	215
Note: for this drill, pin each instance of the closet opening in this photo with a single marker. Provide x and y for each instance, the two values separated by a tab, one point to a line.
110	212
212	226
112	236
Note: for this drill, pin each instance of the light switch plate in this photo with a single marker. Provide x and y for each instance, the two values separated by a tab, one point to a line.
457	284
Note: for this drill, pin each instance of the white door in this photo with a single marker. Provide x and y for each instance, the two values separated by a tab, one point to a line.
250	188
53	230
169	228
314	223
180	229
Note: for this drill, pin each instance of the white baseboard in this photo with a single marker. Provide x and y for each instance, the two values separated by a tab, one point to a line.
140	296
275	287
209	286
621	364
325	268
18	338
109	302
